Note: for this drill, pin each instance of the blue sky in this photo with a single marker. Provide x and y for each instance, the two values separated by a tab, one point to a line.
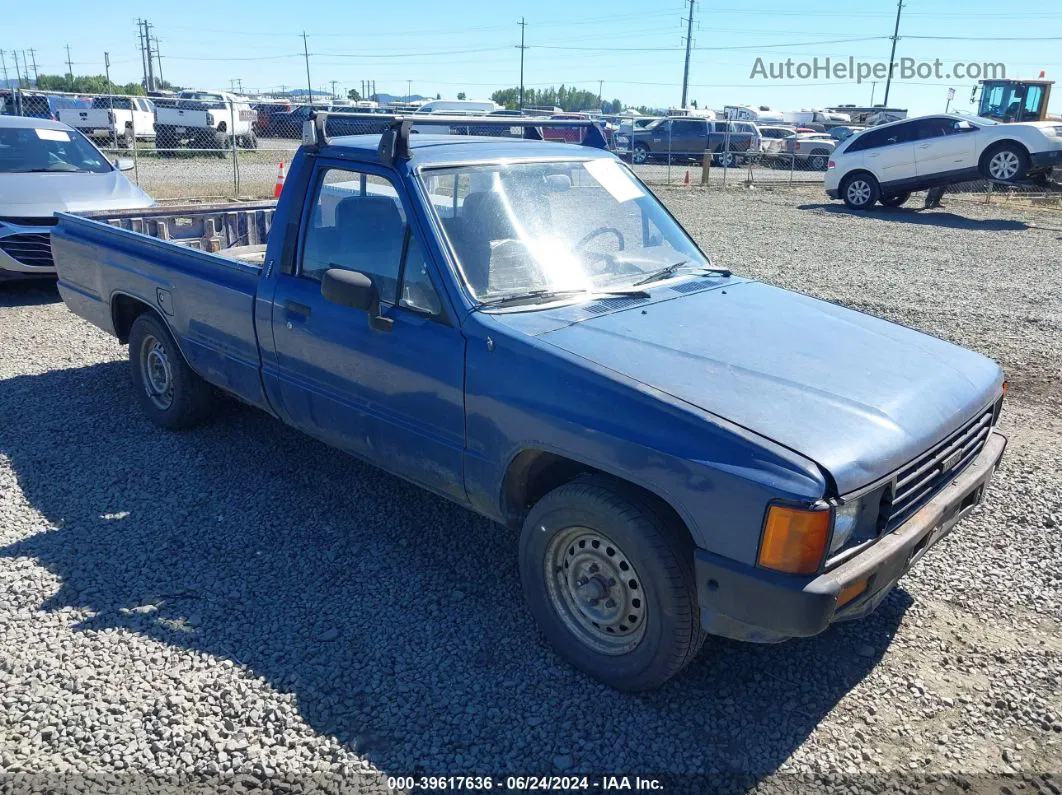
635	49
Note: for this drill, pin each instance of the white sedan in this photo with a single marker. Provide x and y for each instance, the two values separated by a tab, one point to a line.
889	162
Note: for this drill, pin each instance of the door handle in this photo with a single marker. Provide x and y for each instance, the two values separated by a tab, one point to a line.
923	146
296	308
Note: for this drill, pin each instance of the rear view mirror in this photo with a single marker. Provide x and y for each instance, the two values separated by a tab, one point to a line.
558	183
124	164
355	290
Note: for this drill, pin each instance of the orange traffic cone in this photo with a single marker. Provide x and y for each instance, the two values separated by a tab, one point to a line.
280	181
685	182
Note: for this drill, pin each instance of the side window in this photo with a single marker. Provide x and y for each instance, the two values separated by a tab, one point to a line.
357	223
1033	97
418	293
934	127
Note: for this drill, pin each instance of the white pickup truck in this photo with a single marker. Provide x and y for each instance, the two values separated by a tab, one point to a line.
117	121
205	120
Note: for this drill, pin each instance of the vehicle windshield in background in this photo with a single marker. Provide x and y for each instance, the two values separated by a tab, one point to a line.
558	227
34	149
201	101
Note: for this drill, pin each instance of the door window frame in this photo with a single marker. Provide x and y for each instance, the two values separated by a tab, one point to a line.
363	169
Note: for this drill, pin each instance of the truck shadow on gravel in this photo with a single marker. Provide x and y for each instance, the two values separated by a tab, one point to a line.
916	217
393	617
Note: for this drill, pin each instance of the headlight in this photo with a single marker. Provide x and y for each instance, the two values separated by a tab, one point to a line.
845	521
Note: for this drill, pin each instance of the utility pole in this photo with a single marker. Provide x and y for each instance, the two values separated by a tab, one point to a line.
150	57
689	45
36	79
409	91
158	57
3	62
69	68
600	88
892	55
306	53
107	70
18	72
873	88
333	90
523	29
140	43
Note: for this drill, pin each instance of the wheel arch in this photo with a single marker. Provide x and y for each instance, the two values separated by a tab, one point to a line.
126	308
534	472
996	145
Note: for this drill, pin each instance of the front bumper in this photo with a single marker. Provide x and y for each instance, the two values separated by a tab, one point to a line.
747	603
1049	159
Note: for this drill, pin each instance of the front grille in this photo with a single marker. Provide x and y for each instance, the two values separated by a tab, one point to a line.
916	483
30	249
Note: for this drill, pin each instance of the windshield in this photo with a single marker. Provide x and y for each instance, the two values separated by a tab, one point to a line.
32	149
574	226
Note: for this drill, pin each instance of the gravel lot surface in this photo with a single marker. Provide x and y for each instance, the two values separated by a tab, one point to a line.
240	606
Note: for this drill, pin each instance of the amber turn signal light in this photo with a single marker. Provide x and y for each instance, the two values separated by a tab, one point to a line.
794	539
852	591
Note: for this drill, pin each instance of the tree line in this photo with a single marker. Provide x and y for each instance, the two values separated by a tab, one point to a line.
568	99
93	84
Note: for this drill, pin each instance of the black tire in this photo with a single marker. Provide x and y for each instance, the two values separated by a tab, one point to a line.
156	360
249	141
895	199
1005	162
860	190
635	540
726	159
818	161
640	154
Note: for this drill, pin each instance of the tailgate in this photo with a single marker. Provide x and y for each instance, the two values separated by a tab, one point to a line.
179	117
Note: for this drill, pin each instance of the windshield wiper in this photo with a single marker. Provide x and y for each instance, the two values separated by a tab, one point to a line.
672	269
533	295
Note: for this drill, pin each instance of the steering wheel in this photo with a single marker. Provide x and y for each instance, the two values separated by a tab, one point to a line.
604	230
602	259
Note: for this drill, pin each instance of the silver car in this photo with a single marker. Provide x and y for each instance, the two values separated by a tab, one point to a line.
45	167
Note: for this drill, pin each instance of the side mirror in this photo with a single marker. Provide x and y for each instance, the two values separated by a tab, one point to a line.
124	164
355	290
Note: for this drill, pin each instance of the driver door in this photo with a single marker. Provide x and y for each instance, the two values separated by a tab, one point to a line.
395	396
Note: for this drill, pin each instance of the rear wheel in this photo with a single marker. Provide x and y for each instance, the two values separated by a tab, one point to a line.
818	161
1006	162
609	579
860	191
895	199
170	394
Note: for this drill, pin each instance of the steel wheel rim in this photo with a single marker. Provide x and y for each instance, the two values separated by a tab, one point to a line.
818	162
595	590
1003	165
640	155
157	372
859	192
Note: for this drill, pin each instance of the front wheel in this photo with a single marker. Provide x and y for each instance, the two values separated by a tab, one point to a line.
610	582
640	154
860	191
1006	162
726	159
169	392
895	199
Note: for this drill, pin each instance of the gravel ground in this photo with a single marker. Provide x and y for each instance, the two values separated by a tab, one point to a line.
240	606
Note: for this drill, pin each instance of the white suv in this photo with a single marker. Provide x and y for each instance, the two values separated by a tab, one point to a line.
889	162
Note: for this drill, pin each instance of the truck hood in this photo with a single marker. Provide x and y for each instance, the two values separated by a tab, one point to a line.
41	195
858	395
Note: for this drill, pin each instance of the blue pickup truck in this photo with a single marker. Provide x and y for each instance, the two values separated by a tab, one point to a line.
521	326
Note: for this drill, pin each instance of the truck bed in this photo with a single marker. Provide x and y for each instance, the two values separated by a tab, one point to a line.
194	265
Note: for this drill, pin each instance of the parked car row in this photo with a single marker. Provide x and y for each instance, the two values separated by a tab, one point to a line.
731	143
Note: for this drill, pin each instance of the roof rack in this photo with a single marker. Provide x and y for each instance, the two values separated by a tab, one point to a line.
394	140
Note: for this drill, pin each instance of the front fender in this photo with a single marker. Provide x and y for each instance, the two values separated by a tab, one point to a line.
521	394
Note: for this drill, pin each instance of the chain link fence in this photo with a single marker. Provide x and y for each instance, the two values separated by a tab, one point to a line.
206	146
